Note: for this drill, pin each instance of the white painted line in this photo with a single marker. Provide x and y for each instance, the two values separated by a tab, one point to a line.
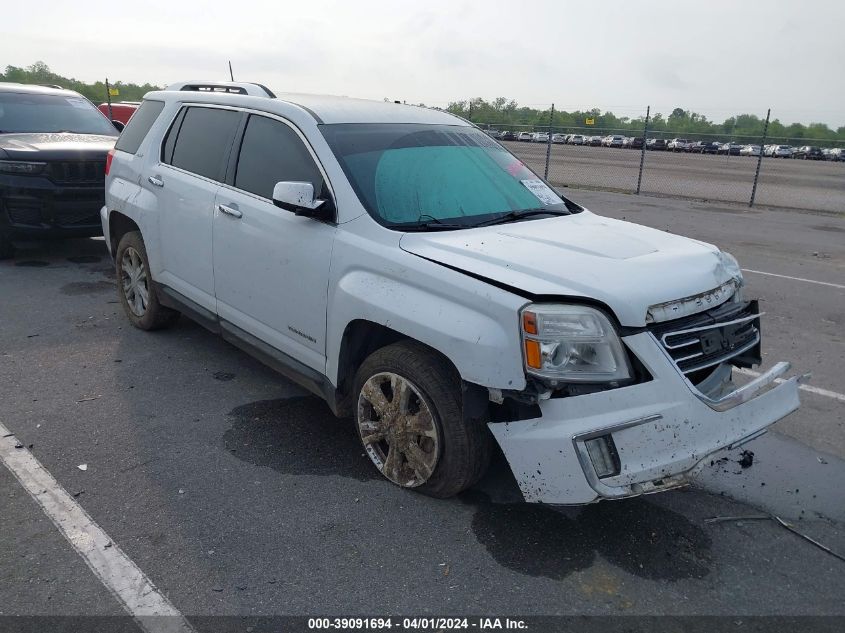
122	577
809	281
808	388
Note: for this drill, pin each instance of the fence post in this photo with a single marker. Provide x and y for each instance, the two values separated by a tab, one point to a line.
760	158
549	144
642	152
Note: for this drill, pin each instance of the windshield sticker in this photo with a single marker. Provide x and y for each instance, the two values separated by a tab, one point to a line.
542	191
77	103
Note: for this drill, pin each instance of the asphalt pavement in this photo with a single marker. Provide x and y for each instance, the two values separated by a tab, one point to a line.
238	494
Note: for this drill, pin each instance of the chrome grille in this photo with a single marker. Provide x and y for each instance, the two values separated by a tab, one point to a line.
729	332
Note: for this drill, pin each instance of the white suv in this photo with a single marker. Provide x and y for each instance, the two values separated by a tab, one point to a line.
407	268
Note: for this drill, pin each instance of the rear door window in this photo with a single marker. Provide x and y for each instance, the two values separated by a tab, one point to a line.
138	126
272	152
203	140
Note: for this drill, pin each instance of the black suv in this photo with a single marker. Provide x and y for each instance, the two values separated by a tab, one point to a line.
53	147
704	147
808	152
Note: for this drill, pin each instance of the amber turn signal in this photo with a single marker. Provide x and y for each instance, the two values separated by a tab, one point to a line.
532	354
529	322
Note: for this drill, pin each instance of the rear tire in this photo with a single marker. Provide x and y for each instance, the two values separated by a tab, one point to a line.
136	288
409	405
7	249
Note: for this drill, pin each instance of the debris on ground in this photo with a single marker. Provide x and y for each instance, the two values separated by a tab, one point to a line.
83	467
746	458
782	523
749	517
90	399
824	548
822	460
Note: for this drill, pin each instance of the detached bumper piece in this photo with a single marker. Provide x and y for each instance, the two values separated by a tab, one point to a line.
643	438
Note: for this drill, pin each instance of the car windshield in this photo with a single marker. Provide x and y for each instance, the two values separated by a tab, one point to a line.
436	176
27	112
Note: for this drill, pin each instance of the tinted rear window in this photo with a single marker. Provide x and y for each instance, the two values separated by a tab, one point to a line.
204	140
138	126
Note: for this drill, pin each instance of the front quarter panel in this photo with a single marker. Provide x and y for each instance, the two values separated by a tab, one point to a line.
470	322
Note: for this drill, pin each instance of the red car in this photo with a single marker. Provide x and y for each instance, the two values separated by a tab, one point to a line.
121	111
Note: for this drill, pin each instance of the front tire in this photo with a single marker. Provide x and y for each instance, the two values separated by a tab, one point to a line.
409	416
136	288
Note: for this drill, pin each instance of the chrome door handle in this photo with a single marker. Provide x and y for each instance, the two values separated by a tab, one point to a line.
155	180
229	211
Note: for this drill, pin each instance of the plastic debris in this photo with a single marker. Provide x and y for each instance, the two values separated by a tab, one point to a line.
746	458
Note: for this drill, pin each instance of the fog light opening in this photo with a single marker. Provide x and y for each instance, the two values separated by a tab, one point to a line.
602	452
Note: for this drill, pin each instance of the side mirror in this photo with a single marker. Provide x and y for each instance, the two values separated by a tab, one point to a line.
118	125
298	197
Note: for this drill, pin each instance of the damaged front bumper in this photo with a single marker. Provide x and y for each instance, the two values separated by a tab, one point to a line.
662	430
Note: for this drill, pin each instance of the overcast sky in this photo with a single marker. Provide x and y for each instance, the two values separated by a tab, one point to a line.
711	56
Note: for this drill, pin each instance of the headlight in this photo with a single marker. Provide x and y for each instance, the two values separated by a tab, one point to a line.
21	168
572	343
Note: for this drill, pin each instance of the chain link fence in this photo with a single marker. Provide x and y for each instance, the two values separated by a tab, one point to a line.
755	170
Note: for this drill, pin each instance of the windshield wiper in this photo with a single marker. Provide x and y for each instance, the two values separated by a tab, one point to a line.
514	216
433	224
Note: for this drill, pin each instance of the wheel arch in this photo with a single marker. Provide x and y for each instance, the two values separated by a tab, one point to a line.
120	225
360	339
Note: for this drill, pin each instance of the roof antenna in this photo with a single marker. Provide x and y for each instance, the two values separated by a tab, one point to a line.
231	76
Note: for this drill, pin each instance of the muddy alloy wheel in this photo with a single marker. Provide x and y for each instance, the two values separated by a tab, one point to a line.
134	282
398	429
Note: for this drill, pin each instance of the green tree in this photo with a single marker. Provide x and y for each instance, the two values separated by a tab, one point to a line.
40	73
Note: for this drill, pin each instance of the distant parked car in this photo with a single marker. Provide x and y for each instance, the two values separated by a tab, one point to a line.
594	141
677	144
121	111
524	136
507	135
656	144
576	139
781	151
633	142
540	137
613	140
750	150
559	138
704	147
492	133
838	154
809	152
731	149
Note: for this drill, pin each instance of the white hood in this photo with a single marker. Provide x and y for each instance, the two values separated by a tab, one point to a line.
626	266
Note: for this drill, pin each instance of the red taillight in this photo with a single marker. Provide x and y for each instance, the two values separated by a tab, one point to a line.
109	157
